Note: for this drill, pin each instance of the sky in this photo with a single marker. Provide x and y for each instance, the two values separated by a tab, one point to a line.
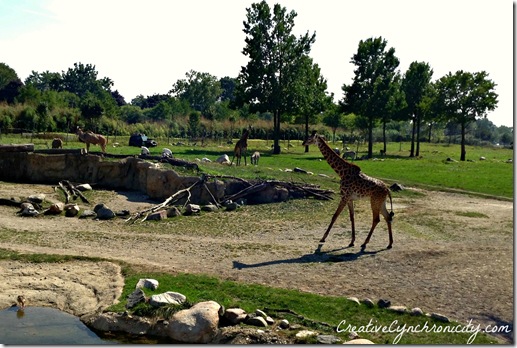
144	47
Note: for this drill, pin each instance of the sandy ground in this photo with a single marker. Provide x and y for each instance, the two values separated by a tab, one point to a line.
464	271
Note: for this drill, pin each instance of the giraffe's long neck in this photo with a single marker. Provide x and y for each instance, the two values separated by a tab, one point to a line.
337	163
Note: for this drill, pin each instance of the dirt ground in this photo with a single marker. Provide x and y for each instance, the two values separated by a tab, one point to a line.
463	270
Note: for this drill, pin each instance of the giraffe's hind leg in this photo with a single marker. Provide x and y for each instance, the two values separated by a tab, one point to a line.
376	211
388	217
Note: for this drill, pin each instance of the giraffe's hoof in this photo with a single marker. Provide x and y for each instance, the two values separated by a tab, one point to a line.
351	245
389	247
363	246
322	241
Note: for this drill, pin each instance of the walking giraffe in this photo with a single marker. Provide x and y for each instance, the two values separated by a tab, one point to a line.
355	185
241	148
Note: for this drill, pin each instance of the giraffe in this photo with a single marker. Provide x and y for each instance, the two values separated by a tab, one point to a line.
354	185
241	148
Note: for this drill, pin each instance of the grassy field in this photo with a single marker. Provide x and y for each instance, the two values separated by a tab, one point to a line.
492	176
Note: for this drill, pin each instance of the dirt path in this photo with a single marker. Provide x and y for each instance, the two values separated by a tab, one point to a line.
453	254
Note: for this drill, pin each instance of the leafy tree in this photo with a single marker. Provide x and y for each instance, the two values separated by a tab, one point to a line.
333	118
266	82
463	97
201	90
194	123
416	85
10	84
45	81
370	92
7	74
131	114
228	85
91	108
119	99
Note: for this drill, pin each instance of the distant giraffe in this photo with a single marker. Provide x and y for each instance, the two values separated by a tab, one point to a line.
355	185
241	148
92	138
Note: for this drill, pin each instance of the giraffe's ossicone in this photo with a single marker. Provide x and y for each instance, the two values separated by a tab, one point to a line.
354	185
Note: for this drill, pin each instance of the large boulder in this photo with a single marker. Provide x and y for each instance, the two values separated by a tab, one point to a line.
198	324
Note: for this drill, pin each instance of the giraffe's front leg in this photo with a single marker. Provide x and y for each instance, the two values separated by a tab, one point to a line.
351	211
339	209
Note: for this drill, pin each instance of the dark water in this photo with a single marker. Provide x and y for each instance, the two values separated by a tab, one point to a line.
41	325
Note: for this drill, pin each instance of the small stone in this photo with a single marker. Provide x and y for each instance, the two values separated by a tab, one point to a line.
136	297
440	317
327	339
305	333
284	324
382	303
398	309
148	284
55	208
38	198
369	303
209	208
87	214
235	315
122	213
173	212
169	297
84	187
353	335
354	299
157	216
417	311
256	321
71	210
269	320
261	313
192	209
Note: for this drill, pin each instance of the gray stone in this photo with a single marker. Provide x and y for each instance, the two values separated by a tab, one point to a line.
123	213
354	299
99	206
198	324
167	298
38	198
260	313
173	212
147	284
87	214
396	187
235	315
256	321
84	187
209	208
27	209
398	309
71	210
231	206
284	324
269	320
105	213
382	303
157	216
192	209
327	339
440	317
369	303
417	311
136	297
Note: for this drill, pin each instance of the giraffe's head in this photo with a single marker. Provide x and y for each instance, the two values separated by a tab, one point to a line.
312	140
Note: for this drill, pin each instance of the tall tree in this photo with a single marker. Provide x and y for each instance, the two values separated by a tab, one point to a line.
201	90
416	85
465	96
10	84
266	82
369	94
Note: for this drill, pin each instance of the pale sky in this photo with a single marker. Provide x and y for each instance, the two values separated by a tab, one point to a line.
144	47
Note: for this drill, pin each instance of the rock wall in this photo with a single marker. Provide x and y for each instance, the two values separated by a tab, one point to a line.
130	173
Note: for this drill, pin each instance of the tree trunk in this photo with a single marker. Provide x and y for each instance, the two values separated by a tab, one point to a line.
412	153
276	132
384	135
463	151
370	138
306	131
430	132
417	136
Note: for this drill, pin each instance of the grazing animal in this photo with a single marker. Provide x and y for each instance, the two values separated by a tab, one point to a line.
241	148
255	158
57	143
144	151
348	154
355	185
167	152
22	301
92	138
337	150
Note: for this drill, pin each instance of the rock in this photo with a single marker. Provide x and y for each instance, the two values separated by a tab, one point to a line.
84	187
223	159
104	213
235	315
231	206
269	320
383	303
354	299
173	212
122	213
71	210
157	216
398	309
359	341
256	321
396	187
327	339
192	209
38	198
299	170
99	206
197	324
118	322
207	160
209	208
261	313
27	209
369	303
450	160
440	317
55	208
87	214
482	158
136	297
284	324
305	333
167	298
147	284
416	311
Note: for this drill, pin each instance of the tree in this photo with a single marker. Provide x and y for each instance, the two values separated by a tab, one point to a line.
333	118
10	84
201	90
275	54
463	97
369	94
416	85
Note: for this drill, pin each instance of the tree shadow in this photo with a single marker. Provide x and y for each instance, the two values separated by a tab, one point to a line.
317	257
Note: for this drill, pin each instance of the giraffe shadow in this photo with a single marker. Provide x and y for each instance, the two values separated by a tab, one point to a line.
317	257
